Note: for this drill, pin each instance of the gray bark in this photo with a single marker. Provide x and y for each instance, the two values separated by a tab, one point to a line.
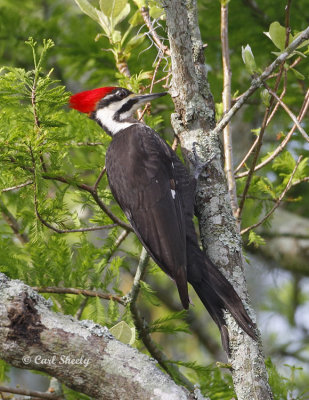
34	337
194	121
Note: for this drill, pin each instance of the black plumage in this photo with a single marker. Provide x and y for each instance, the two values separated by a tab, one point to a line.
156	193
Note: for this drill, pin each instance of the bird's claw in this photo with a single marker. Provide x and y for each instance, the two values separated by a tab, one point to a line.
197	164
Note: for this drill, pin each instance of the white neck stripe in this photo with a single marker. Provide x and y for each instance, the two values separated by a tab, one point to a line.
106	118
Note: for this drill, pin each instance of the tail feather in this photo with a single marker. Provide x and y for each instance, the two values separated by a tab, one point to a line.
218	295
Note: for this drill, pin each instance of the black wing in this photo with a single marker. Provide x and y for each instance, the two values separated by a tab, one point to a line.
142	178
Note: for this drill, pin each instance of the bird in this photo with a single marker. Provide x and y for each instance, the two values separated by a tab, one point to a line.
157	193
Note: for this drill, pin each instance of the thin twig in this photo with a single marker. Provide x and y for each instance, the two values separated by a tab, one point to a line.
285	141
275	109
123	235
81	186
131	297
95	196
305	179
97	182
37	122
268	115
84	292
47	224
13	223
143	328
89	229
289	112
226	101
107	211
258	80
279	75
264	123
251	170
32	393
107	258
145	14
294	64
288	186
17	186
81	308
160	80
85	144
147	106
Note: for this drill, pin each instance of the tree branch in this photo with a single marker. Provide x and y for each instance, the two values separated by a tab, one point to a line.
13	223
289	112
145	14
17	186
143	329
53	228
81	354
194	121
267	117
226	101
285	141
286	189
29	393
84	292
258	80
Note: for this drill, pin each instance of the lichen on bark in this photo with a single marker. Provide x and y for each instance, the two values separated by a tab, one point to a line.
194	121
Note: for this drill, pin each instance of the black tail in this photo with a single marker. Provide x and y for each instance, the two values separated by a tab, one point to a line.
217	295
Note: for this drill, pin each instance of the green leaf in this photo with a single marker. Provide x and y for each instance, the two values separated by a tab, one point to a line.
265	186
113	311
248	59
115	10
136	19
277	35
265	96
256	131
116	36
140	3
298	74
302	170
172	316
255	239
149	293
88	9
123	332
155	11
284	163
134	42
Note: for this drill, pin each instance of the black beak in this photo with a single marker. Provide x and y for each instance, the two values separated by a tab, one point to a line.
144	98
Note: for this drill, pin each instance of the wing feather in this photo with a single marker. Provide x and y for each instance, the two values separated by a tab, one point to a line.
141	177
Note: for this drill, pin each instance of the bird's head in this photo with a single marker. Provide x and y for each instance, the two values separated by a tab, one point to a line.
112	107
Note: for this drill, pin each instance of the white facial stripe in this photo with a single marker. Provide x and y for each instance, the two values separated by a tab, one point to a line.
129	113
106	116
117	105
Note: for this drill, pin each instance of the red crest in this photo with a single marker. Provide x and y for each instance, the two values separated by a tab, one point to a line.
86	101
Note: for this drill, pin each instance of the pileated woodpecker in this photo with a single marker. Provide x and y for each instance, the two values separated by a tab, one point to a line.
156	193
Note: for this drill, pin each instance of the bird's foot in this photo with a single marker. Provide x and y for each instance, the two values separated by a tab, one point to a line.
198	165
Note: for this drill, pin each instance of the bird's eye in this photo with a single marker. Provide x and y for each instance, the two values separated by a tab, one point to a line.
121	93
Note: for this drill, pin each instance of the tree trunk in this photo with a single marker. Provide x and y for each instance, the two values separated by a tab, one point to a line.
194	121
81	354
